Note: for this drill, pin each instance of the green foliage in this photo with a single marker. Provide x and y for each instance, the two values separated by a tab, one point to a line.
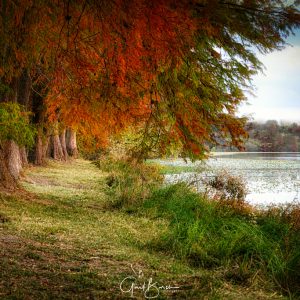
211	235
128	183
4	89
14	125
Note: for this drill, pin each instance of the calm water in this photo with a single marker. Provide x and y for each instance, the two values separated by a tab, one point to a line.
271	178
262	155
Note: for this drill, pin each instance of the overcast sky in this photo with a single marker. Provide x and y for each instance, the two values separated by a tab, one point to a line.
278	90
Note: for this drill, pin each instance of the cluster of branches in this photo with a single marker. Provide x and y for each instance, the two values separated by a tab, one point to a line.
174	71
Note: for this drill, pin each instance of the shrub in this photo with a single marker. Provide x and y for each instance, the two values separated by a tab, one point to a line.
14	125
128	183
225	186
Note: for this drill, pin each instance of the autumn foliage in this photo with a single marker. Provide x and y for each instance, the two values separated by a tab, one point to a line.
175	71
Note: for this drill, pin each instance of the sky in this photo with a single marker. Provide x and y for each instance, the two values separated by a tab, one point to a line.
277	91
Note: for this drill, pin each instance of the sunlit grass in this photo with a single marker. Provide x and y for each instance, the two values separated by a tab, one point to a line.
60	234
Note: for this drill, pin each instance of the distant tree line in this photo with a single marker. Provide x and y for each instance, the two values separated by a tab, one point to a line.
271	136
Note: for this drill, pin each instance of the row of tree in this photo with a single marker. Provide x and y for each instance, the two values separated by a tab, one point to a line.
273	137
269	136
174	71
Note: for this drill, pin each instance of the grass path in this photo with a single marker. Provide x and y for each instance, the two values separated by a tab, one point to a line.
58	241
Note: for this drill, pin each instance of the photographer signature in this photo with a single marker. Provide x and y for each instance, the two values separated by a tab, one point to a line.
150	289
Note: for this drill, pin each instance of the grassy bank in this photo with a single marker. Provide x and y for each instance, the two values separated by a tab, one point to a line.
69	235
248	247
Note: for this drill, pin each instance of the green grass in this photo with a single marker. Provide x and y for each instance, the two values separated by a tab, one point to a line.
58	240
210	235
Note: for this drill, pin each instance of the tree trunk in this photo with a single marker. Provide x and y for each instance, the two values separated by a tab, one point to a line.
23	156
6	179
14	159
46	148
41	148
62	138
10	164
39	159
72	143
24	90
57	149
58	153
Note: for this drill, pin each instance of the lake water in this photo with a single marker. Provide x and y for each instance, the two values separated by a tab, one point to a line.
271	178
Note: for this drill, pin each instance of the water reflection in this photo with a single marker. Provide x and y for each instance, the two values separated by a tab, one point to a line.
272	198
261	155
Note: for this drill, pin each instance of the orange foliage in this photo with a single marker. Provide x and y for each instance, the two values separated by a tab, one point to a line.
103	77
104	65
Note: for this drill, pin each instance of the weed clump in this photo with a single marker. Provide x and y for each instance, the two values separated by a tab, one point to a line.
227	187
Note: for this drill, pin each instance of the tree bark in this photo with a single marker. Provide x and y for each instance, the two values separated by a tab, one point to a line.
14	159
57	149
23	156
10	164
41	148
72	143
6	178
58	153
39	158
62	138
